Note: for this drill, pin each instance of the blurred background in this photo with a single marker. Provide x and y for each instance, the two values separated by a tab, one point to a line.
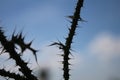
96	46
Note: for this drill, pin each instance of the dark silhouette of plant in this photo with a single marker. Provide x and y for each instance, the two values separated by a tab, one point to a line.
66	47
9	46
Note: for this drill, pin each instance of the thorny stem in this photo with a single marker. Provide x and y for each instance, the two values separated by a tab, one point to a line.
70	38
11	75
9	47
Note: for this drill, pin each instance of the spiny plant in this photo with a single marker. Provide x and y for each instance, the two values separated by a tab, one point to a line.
66	47
8	46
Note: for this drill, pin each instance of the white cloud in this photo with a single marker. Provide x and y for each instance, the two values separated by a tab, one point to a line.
105	45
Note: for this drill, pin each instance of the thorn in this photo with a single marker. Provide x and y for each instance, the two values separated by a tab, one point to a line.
69	58
20	35
23	38
71	54
60	54
69	64
2	51
71	17
29	44
82	20
14	32
34	53
69	21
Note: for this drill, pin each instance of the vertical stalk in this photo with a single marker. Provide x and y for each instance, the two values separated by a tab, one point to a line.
67	46
75	19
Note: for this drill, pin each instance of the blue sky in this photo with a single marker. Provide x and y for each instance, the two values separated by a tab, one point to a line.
96	45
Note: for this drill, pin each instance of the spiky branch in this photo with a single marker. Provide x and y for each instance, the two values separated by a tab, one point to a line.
12	75
9	47
67	46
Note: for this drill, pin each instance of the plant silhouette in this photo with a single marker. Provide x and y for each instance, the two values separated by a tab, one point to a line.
8	46
66	47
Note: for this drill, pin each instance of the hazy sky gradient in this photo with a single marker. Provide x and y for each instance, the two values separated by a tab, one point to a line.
96	45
